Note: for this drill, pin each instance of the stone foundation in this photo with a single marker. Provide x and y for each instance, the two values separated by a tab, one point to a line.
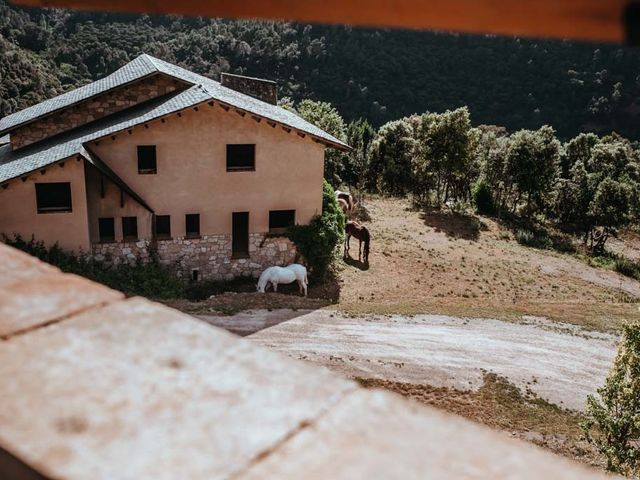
209	254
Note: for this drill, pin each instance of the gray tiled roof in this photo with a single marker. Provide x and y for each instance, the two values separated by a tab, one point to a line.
31	158
145	65
246	102
37	156
136	69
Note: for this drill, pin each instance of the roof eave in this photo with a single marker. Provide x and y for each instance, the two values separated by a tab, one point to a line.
23	176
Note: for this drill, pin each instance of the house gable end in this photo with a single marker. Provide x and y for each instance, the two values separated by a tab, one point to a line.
100	106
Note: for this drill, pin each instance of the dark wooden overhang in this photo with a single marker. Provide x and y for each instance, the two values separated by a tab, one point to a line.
598	20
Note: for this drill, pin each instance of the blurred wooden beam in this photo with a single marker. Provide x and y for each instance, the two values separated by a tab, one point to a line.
598	20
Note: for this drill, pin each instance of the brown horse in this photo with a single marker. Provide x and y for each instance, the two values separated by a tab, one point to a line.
347	197
360	232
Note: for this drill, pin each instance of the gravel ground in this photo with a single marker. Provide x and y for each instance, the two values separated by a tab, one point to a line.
558	362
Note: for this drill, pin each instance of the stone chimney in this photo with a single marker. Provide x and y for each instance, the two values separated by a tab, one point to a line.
265	90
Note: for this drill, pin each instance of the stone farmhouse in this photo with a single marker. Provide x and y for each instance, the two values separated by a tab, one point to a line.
155	158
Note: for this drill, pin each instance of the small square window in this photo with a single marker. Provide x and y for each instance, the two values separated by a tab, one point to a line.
192	224
147	159
106	229
53	197
241	157
280	220
163	226
129	228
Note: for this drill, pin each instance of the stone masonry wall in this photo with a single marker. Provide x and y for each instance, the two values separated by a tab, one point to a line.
93	109
210	254
265	90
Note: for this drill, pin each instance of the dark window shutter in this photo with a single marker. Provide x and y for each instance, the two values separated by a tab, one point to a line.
107	229
240	234
192	224
163	226
130	228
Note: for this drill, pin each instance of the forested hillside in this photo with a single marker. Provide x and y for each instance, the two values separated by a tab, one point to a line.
377	74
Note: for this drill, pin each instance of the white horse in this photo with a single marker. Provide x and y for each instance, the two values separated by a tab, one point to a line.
289	274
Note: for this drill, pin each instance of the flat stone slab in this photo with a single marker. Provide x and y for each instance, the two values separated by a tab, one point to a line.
16	265
137	390
367	436
46	298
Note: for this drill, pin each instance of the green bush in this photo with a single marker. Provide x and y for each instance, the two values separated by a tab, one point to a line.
317	241
613	416
149	279
533	239
627	267
146	279
483	197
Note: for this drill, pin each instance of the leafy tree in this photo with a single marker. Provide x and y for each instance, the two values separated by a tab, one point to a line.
360	134
391	153
444	158
491	152
324	116
572	200
577	149
483	197
613	416
532	163
609	209
600	192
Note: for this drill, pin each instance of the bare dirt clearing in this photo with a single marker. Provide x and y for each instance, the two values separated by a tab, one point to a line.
558	363
493	372
471	266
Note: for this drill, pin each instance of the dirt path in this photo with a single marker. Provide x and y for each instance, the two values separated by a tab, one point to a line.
558	362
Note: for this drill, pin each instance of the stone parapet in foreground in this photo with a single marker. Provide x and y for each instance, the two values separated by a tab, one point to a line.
98	386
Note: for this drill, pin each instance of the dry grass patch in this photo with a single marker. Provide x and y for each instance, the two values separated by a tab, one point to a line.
501	405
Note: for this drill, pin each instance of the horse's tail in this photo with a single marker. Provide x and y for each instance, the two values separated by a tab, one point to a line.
367	241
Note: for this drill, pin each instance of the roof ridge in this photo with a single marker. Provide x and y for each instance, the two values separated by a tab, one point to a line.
148	58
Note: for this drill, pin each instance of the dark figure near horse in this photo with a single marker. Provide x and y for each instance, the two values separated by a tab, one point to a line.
360	232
